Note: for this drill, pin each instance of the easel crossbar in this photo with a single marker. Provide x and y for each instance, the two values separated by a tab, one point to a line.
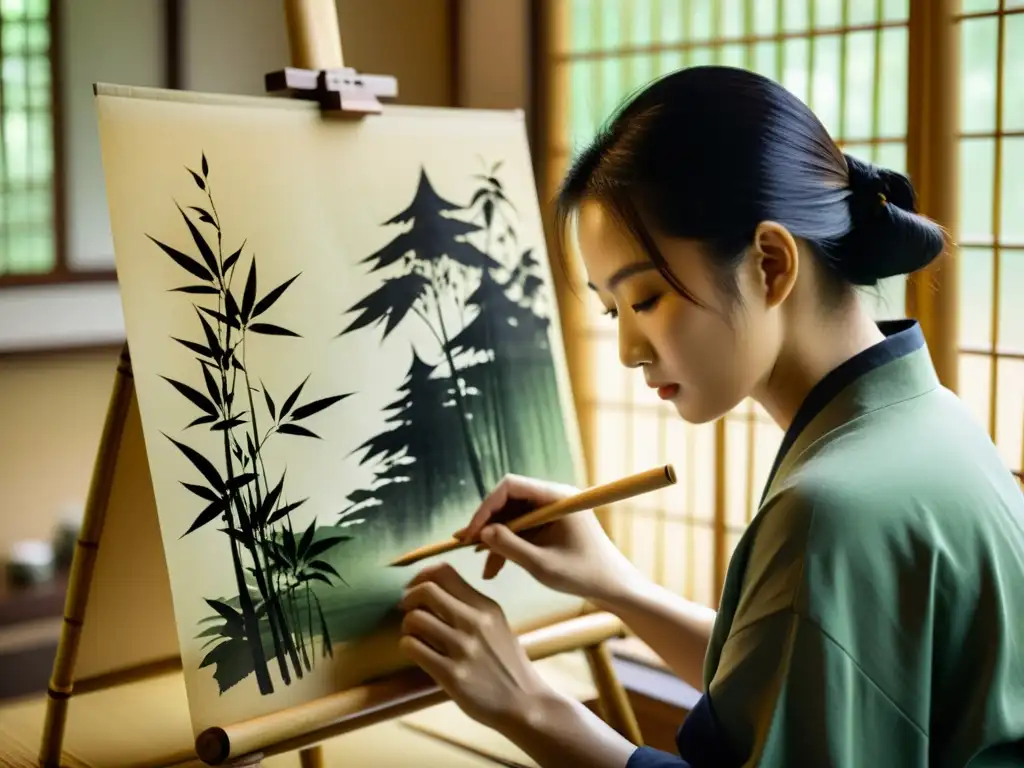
406	692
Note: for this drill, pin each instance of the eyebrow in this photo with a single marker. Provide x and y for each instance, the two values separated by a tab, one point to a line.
627	271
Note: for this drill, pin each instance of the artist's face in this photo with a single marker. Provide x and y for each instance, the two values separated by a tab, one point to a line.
703	359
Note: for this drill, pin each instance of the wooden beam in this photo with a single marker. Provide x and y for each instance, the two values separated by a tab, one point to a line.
174	44
456	54
314	38
933	294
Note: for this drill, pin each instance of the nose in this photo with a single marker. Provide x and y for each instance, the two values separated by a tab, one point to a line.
634	348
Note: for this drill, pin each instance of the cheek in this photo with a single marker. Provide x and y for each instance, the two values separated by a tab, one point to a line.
715	362
697	348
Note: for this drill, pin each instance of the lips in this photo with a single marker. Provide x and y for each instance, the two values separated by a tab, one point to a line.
666	391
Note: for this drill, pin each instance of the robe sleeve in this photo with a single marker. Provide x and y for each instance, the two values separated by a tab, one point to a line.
701	742
648	757
787	690
787	694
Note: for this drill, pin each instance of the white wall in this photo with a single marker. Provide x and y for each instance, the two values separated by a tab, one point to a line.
231	44
104	41
493	53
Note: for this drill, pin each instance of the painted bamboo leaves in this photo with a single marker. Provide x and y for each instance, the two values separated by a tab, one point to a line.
271	618
483	400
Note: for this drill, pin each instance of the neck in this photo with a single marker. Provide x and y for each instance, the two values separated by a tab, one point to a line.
812	350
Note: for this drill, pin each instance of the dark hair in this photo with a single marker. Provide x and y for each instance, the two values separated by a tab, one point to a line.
709	152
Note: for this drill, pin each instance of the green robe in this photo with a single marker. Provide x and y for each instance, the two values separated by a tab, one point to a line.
873	611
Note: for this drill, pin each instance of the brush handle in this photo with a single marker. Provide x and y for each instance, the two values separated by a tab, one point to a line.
598	496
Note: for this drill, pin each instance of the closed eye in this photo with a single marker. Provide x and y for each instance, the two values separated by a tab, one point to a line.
647	304
640	306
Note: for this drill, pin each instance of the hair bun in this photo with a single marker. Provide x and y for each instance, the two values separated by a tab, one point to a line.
871	186
887	236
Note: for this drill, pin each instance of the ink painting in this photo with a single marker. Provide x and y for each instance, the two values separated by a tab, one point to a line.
343	335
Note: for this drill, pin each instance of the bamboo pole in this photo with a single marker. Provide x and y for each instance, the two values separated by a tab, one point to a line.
314	38
551	97
721	556
611	695
314	42
312	758
391	697
932	295
80	581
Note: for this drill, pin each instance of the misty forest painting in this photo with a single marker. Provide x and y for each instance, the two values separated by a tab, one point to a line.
315	405
486	379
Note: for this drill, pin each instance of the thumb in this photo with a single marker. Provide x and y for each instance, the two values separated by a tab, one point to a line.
502	541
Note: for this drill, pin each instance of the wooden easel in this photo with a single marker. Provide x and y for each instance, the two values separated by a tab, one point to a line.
133	551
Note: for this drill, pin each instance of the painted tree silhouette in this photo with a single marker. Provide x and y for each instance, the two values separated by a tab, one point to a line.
434	262
486	402
508	336
413	466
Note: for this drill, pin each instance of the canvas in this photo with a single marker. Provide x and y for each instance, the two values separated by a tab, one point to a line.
343	334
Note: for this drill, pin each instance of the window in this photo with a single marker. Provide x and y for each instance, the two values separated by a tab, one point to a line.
849	60
992	220
28	188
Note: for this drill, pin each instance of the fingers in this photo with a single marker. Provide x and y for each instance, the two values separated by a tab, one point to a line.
444	585
438	666
510	546
512	488
433	597
442	637
494	564
495	500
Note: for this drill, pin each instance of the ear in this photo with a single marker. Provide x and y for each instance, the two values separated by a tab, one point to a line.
777	260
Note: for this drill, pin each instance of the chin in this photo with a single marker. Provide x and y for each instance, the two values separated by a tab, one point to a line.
700	413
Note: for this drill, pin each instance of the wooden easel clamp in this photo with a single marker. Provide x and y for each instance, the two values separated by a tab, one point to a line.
318	71
341	90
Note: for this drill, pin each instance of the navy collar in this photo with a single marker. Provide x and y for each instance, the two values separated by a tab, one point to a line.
902	337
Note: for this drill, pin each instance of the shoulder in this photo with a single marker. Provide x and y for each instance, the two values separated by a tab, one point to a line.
928	452
820	543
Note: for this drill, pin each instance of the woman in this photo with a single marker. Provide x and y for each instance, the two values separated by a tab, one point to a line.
867	617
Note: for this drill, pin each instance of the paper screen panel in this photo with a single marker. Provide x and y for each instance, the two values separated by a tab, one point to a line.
991	257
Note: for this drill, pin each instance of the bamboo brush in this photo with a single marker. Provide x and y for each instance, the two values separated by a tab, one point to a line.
598	496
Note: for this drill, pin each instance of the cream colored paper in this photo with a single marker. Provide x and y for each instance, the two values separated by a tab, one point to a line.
309	198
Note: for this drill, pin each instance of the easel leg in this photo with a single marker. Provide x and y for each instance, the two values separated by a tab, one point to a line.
313	757
80	581
612	698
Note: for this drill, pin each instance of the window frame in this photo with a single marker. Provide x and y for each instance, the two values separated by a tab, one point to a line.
74	308
62	272
993	353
